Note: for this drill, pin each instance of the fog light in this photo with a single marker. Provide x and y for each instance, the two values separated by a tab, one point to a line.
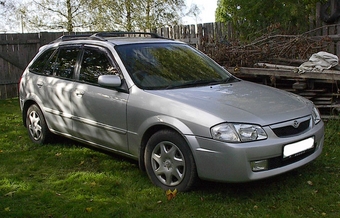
259	165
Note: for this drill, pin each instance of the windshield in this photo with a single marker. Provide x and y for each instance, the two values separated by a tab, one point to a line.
169	65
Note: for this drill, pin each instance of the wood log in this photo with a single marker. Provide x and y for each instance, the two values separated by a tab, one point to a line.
276	66
331	75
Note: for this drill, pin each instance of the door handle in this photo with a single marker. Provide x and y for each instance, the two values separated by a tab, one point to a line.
80	93
40	84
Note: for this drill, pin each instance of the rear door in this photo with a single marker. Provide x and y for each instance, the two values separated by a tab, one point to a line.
99	112
61	86
55	85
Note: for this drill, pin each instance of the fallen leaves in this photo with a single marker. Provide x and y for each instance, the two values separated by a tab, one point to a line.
10	194
310	183
89	209
171	194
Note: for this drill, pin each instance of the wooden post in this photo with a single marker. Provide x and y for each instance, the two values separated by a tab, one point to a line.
200	36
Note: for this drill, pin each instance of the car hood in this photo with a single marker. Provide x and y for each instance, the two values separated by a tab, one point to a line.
241	102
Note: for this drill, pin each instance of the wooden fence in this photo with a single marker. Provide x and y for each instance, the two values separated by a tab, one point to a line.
16	50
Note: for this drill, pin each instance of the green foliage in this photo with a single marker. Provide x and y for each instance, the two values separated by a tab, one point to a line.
100	15
254	18
65	179
53	15
134	14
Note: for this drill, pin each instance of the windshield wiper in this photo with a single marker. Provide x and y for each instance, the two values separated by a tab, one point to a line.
202	82
230	79
199	82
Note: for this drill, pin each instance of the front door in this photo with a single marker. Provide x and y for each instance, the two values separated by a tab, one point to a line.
99	113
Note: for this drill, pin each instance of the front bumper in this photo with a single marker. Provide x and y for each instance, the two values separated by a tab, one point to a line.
231	162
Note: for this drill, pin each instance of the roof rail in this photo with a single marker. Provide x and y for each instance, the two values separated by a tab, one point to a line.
78	36
101	36
129	34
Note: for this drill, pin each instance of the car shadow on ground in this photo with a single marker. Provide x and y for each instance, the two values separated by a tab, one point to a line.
69	142
286	182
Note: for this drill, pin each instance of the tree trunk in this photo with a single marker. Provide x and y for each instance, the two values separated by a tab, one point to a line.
69	16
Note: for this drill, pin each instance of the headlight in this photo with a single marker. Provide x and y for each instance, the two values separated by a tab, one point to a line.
316	115
231	132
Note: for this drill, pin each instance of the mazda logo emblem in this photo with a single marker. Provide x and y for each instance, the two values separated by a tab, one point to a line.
296	124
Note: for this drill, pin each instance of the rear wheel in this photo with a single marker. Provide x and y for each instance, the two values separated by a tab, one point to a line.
36	125
169	161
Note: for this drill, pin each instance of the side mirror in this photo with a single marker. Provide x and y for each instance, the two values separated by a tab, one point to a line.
110	81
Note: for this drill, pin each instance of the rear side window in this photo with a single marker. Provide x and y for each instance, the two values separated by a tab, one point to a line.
64	64
95	63
59	63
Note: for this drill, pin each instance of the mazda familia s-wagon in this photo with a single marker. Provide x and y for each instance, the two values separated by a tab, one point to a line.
167	105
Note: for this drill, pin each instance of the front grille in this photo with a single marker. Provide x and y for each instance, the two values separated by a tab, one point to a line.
286	131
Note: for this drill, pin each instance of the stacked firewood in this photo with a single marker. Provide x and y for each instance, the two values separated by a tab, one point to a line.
277	49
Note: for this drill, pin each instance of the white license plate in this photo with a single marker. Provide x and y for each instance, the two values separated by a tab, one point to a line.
298	148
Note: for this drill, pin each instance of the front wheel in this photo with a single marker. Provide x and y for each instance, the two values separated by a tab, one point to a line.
169	162
36	125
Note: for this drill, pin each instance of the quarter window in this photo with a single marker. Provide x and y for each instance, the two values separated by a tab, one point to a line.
39	66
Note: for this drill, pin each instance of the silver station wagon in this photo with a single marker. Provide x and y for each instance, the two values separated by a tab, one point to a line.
167	105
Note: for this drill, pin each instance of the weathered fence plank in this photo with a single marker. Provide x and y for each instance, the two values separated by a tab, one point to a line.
16	51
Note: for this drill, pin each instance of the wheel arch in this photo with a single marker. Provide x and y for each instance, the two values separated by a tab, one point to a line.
182	176
25	108
27	105
148	133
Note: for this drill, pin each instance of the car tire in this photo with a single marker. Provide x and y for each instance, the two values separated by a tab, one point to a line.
169	162
36	125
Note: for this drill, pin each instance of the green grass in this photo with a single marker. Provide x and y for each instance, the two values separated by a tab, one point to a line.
64	179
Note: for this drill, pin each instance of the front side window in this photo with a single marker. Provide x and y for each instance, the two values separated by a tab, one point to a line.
95	63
